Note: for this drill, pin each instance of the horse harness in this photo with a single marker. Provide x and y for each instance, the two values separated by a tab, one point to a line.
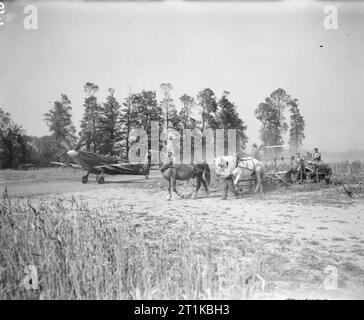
242	160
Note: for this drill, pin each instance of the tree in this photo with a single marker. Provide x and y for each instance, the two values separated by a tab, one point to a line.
48	150
90	132
42	150
207	101
110	125
167	101
270	132
129	120
281	100
297	127
59	121
175	120
144	110
10	141
32	151
146	107
271	114
230	119
187	121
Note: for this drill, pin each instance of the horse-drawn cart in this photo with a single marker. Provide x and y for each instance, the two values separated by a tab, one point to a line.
310	171
276	171
271	181
285	172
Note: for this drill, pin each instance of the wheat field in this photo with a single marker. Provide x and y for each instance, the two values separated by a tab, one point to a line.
125	241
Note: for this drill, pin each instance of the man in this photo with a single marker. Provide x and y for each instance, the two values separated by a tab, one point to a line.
169	161
316	155
298	161
298	158
228	183
170	158
255	152
226	177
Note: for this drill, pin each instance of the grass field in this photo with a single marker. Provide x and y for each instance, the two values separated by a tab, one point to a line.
348	172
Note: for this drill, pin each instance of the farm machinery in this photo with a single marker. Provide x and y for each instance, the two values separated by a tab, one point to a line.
280	170
284	171
310	171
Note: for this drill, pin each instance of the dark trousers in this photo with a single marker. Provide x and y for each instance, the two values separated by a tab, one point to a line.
228	183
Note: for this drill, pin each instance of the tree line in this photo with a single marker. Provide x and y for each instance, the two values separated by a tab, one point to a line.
106	125
271	114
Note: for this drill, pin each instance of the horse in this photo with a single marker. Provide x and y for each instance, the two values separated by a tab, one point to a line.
240	167
173	172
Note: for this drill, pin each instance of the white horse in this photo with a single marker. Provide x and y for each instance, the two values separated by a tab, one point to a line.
239	168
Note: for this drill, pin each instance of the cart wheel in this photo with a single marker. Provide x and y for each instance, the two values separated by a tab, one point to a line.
294	177
290	176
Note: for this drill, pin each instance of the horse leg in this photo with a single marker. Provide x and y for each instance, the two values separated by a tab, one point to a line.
232	188
225	188
256	187
205	186
174	183
237	178
252	185
259	186
198	185
261	180
169	190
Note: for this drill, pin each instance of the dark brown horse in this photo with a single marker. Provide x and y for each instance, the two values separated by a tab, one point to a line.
173	172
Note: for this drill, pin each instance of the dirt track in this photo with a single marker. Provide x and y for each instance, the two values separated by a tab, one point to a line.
21	189
289	236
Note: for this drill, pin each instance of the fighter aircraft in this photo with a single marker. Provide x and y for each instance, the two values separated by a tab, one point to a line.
101	165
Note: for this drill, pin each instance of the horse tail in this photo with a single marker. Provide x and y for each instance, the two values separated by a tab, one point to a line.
207	174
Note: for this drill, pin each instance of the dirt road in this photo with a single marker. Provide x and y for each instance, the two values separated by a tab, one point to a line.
26	189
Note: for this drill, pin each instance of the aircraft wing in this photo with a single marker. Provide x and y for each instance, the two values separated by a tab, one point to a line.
123	168
63	164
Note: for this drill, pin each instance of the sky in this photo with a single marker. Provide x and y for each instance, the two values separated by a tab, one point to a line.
249	49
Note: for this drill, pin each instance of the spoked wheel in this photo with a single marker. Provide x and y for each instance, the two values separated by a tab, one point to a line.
293	177
84	179
100	180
